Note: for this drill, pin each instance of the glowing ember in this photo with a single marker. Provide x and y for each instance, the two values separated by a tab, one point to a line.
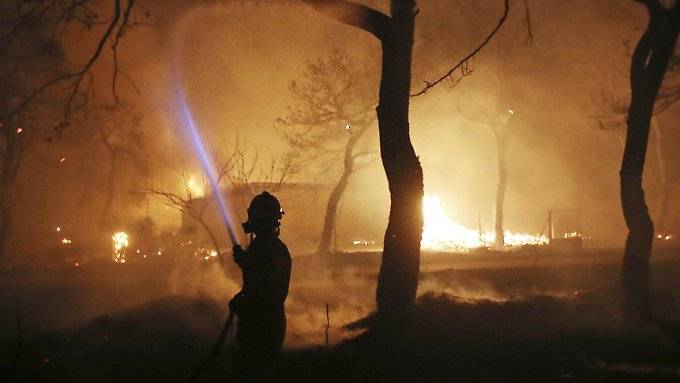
665	237
441	233
120	244
66	241
206	254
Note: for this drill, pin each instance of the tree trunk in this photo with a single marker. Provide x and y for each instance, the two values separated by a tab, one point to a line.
331	210
400	267
501	182
663	213
648	66
336	194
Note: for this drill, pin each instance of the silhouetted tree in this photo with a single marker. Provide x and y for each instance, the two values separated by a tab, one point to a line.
37	80
188	203
648	65
485	107
400	267
610	108
332	110
108	142
233	168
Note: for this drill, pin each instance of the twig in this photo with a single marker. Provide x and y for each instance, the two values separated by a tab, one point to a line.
527	21
81	79
463	63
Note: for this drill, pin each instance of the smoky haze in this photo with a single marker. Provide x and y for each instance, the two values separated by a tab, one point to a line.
237	60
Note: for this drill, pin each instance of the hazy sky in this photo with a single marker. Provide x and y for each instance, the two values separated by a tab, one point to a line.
238	58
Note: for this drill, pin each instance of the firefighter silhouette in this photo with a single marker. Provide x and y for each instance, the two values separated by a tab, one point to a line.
259	306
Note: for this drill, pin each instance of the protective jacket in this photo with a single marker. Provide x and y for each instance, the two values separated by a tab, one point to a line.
266	274
259	306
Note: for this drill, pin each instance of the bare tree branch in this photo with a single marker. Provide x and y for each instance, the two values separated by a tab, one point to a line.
188	205
527	21
81	79
462	65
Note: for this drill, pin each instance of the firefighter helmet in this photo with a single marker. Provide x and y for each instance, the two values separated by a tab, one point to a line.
264	211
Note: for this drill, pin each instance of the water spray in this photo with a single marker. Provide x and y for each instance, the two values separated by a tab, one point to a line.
204	158
224	210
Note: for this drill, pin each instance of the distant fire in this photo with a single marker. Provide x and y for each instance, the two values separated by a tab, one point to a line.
120	244
65	240
196	188
205	253
441	233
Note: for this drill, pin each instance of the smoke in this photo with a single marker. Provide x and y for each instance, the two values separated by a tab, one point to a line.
348	292
470	291
202	279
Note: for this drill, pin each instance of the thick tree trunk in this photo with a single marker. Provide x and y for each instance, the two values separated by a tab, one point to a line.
400	268
336	194
648	66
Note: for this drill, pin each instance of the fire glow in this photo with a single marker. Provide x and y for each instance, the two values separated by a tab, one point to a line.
120	244
204	158
442	234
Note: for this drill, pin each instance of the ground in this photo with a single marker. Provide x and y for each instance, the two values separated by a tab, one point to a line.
526	316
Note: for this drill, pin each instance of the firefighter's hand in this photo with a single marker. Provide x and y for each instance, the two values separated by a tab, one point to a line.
239	254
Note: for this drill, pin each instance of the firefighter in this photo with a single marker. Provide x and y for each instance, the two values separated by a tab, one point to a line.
259	306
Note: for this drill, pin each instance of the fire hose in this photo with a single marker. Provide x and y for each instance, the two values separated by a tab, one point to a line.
216	348
211	174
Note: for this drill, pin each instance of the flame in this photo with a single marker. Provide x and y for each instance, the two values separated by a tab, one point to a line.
196	189
206	253
441	233
120	244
